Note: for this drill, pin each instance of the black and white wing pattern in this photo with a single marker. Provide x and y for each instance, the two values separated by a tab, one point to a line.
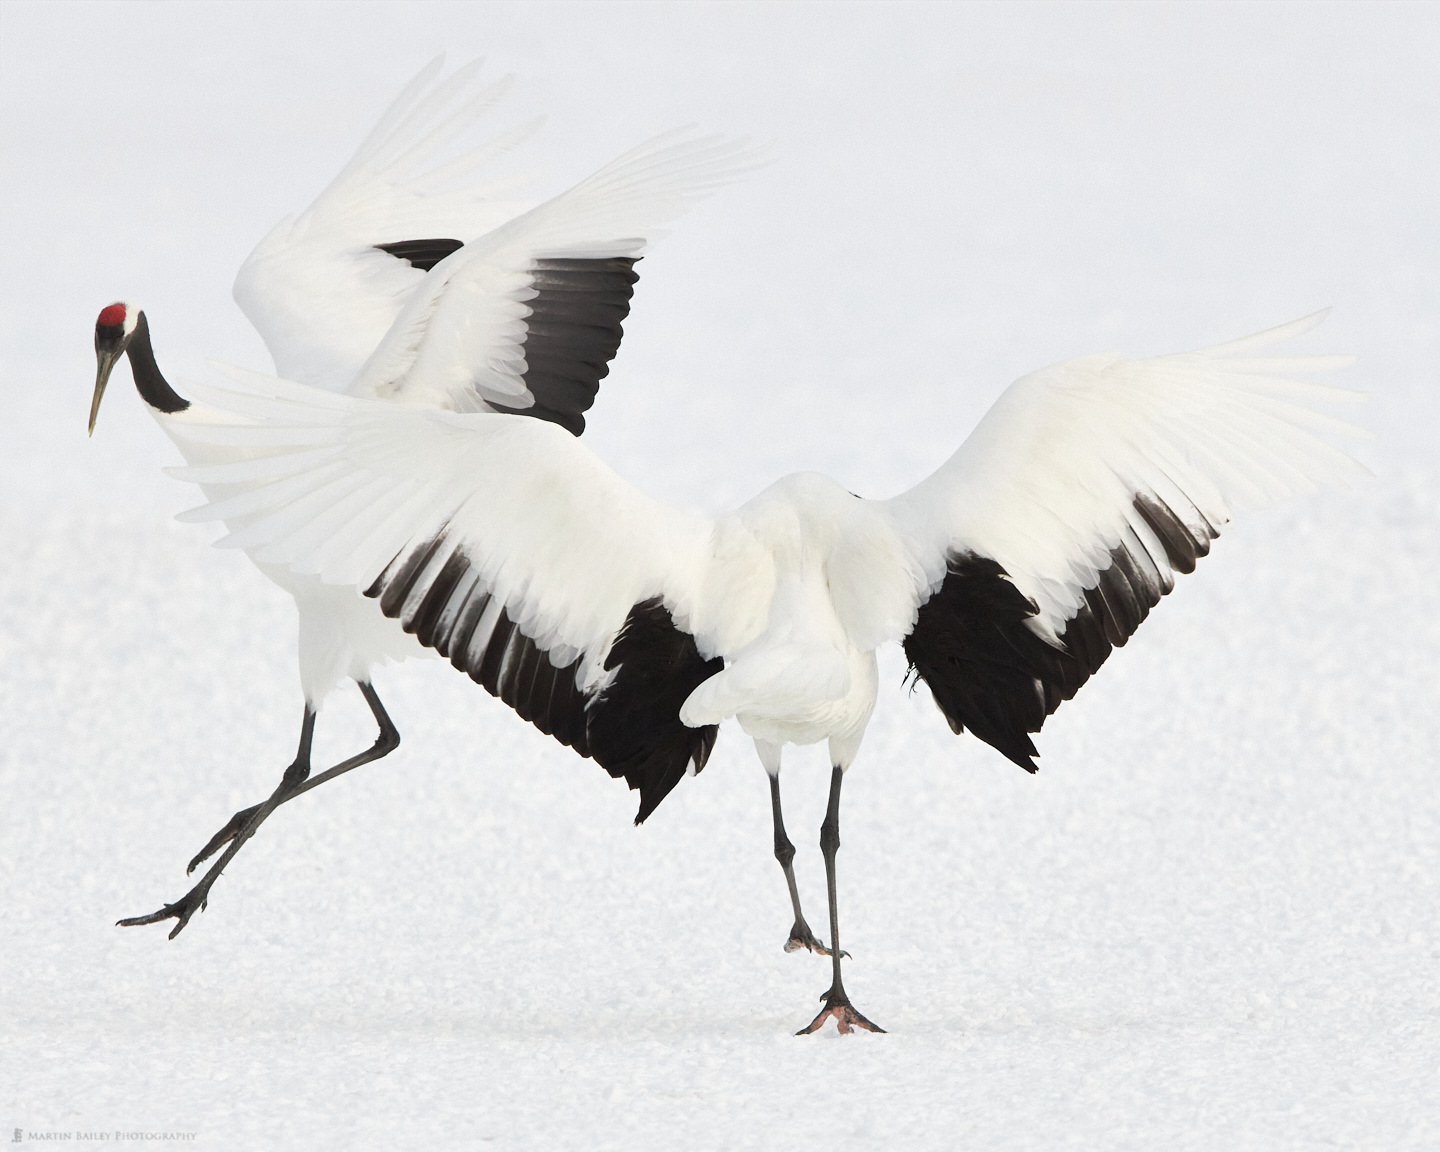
499	542
572	332
325	285
526	318
416	275
1061	521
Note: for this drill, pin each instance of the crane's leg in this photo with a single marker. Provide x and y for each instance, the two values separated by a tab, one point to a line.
837	1004
244	824
800	934
385	743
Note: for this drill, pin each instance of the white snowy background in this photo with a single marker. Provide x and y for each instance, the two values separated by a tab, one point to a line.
1211	922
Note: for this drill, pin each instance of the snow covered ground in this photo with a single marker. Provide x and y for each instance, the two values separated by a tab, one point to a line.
1213	919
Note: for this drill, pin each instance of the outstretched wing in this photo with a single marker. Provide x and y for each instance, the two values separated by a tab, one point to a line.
526	318
500	542
323	287
1048	537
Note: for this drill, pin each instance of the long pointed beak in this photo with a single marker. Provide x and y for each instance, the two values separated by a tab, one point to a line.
105	364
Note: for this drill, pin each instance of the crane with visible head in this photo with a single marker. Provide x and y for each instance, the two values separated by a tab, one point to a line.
420	508
522	317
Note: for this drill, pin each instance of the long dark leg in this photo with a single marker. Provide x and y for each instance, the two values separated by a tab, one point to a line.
800	934
385	743
244	824
837	1004
194	900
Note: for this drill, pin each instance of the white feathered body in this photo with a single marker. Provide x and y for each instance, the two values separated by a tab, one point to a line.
392	492
1082	491
338	313
828	580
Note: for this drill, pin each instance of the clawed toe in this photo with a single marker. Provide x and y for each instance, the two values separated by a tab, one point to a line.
802	937
846	1018
223	837
193	901
180	911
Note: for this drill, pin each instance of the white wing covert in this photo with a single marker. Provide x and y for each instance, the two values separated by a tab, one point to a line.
324	286
527	318
499	542
1048	537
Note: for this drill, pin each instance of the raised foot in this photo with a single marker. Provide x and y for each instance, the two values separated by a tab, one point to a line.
802	937
846	1018
181	911
224	836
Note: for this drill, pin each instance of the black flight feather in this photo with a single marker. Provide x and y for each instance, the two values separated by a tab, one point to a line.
990	672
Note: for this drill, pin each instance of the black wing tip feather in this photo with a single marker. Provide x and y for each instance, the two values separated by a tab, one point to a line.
574	330
572	333
632	728
572	422
443	612
422	254
972	648
991	673
634	724
1183	546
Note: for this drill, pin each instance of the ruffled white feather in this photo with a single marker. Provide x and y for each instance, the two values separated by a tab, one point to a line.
457	344
1046	483
316	288
334	487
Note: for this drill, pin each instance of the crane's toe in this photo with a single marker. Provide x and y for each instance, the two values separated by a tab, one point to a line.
802	937
223	837
180	911
846	1018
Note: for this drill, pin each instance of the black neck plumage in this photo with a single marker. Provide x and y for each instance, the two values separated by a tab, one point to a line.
154	389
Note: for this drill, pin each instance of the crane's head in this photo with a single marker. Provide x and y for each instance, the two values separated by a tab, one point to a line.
113	330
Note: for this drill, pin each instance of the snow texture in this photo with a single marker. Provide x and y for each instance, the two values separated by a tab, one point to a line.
1210	922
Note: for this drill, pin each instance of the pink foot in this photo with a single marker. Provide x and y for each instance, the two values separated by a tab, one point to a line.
846	1018
802	937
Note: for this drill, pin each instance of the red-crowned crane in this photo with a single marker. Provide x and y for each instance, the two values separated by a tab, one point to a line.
524	317
417	509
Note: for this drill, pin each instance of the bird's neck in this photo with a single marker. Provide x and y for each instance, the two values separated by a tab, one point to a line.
154	389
